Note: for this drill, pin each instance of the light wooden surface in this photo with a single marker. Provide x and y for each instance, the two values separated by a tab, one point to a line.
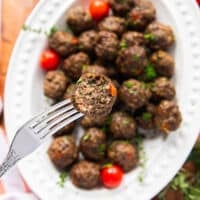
14	13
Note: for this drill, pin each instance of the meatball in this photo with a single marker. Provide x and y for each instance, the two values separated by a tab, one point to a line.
87	41
113	24
132	38
93	144
141	15
159	36
85	174
121	7
145	121
124	154
63	43
168	117
122	126
87	122
163	89
73	64
163	62
66	130
94	95
107	45
134	94
69	91
132	61
97	69
55	83
63	151
79	19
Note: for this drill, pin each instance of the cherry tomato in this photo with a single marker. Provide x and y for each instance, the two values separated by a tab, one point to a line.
49	60
99	9
111	176
198	1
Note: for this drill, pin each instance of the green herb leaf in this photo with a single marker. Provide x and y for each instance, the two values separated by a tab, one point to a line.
123	45
128	84
136	57
53	30
126	121
62	179
149	37
101	149
146	116
150	72
86	137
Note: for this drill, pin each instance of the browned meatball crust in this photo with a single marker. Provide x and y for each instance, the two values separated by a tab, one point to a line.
85	174
63	43
55	83
159	36
63	151
124	154
132	38
141	15
163	89
113	24
134	94
93	144
87	41
107	45
79	19
122	126
163	62
97	69
121	7
73	64
87	122
93	95
69	91
168	117
132	61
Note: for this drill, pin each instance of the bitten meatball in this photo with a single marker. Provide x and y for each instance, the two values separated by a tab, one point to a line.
63	43
122	126
97	69
93	144
69	91
134	94
141	15
163	62
63	151
163	89
85	174
107	45
132	61
121	7
132	38
124	154
66	130
79	19
87	41
55	83
87	122
73	65
94	95
113	24
168	117
159	36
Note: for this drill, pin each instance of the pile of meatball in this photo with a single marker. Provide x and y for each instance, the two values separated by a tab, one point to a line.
130	48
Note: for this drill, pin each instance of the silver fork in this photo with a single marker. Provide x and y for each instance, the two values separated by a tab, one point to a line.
34	132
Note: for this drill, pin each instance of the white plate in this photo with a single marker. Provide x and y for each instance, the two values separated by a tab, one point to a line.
24	98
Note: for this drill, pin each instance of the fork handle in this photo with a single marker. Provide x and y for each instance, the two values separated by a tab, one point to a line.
11	159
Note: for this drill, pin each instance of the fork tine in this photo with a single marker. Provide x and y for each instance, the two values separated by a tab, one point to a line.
53	116
43	115
53	123
63	124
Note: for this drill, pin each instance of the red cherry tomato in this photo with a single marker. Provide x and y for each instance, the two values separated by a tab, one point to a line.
49	60
198	1
99	9
111	176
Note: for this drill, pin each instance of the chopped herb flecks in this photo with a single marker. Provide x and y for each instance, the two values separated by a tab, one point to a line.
101	149
123	45
86	137
150	72
136	57
146	116
128	84
149	37
62	179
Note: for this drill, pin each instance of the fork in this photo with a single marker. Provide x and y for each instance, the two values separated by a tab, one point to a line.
34	132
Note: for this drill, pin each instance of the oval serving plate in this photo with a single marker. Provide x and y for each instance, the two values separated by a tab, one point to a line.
24	97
